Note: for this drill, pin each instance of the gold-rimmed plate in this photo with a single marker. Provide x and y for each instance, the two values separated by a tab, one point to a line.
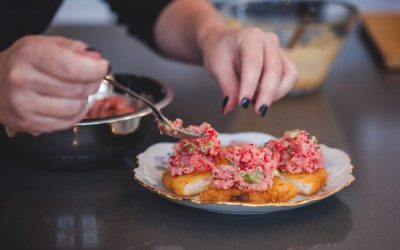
153	161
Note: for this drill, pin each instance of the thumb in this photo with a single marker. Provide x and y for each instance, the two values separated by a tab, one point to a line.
78	46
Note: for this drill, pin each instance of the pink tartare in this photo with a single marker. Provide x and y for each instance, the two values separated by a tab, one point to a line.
195	155
247	167
250	168
297	152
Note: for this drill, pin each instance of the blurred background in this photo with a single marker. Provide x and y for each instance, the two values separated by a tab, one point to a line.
97	12
313	48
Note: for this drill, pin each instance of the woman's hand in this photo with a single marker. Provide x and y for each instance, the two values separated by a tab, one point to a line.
249	65
45	82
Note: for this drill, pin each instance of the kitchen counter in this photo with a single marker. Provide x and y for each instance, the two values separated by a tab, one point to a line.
357	111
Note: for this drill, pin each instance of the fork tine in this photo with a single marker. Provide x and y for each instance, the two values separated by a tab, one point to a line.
159	118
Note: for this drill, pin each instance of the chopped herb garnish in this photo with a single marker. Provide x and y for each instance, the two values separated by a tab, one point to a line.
293	133
252	177
189	147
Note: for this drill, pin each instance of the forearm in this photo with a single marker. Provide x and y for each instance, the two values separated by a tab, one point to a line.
183	25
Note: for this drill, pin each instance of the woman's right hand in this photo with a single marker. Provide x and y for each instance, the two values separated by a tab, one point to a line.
45	82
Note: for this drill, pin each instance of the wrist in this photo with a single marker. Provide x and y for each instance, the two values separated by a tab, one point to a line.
207	30
206	22
183	27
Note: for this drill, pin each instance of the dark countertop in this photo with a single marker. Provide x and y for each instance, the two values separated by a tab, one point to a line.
106	209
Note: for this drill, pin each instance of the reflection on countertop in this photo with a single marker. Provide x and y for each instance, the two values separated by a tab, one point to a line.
72	212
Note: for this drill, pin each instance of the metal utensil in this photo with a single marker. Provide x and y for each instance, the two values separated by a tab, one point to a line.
307	14
164	124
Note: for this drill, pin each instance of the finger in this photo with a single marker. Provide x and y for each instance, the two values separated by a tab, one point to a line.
75	45
50	86
224	73
290	76
46	124
271	77
78	46
251	69
57	107
67	64
36	124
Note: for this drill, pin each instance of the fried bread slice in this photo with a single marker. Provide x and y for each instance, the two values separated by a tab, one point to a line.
187	184
307	184
280	191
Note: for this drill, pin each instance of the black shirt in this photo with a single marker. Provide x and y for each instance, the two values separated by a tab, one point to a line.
26	17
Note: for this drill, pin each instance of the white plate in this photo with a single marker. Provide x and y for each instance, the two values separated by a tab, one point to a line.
153	161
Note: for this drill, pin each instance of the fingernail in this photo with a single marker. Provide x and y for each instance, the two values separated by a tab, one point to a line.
224	102
90	48
245	102
263	110
109	69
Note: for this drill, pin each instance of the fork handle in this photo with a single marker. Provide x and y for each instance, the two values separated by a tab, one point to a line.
153	108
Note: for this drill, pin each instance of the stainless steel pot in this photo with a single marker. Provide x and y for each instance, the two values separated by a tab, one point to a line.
93	142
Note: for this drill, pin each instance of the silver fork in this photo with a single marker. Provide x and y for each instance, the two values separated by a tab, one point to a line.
163	123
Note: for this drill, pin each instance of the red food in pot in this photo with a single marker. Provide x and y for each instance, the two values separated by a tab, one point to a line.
109	106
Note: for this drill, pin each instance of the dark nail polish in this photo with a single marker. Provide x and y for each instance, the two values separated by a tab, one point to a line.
224	102
109	69
93	49
263	110
245	102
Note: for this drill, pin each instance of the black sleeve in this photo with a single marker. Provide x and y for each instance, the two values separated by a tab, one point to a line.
20	17
140	16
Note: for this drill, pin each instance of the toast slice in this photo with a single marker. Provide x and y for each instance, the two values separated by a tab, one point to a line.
188	184
280	191
307	184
